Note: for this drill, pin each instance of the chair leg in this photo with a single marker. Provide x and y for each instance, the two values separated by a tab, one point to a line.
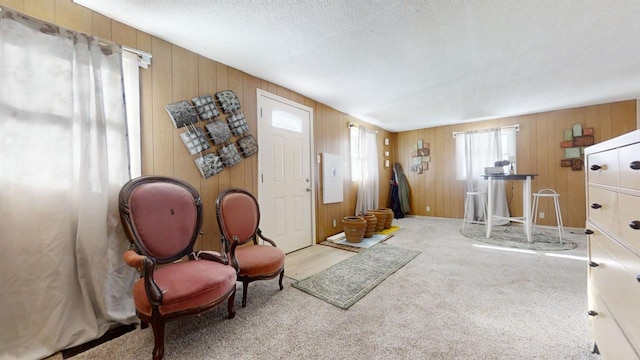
281	276
158	335
558	217
245	286
232	299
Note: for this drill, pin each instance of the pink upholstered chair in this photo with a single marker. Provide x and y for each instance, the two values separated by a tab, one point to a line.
162	217
238	215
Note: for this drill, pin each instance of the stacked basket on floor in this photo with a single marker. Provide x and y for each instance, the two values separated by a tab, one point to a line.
364	226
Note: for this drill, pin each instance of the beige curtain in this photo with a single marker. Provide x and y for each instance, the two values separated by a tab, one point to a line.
369	183
482	149
64	159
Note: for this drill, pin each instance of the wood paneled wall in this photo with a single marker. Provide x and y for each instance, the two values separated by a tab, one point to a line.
178	74
538	152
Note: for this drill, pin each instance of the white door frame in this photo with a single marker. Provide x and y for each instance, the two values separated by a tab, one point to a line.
262	93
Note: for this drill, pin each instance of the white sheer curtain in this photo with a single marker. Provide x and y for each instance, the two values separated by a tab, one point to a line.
368	185
64	159
482	149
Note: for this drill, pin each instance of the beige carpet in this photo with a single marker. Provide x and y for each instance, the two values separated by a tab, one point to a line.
458	299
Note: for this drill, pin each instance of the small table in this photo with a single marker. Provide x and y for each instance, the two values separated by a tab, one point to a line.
526	201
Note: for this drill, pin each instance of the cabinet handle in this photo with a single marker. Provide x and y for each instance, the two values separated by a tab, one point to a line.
592	313
635	225
588	232
596	206
595	264
638	278
596	167
635	165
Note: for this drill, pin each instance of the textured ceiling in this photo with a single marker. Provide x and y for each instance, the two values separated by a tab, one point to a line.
405	65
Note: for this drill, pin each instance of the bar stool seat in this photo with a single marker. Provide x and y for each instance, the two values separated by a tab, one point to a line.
469	214
548	193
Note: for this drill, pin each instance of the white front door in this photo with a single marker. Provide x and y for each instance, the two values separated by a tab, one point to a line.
285	187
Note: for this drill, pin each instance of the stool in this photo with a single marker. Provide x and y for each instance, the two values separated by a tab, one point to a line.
547	193
468	201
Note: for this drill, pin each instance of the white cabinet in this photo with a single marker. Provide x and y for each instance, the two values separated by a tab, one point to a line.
613	225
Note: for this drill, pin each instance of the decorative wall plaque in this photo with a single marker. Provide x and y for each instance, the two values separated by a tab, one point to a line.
195	140
238	124
228	101
209	164
181	113
218	131
248	145
205	107
229	155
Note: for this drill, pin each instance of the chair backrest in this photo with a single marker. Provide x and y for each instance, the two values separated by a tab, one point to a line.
161	216
546	191
238	215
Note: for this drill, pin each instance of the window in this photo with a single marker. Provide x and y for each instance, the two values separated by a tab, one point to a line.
286	121
480	143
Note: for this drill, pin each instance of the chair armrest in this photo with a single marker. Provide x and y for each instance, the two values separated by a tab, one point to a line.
151	288
273	243
133	259
146	266
212	256
232	253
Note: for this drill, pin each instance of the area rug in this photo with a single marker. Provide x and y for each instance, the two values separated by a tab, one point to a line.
378	237
514	237
348	281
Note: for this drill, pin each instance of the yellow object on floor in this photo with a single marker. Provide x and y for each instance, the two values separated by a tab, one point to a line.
388	231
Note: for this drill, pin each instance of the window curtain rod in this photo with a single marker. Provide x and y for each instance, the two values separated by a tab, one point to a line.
351	124
456	133
144	58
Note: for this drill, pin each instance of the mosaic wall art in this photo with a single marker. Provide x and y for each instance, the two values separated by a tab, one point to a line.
575	140
196	139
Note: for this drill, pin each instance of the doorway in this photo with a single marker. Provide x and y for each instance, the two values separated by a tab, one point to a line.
285	183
